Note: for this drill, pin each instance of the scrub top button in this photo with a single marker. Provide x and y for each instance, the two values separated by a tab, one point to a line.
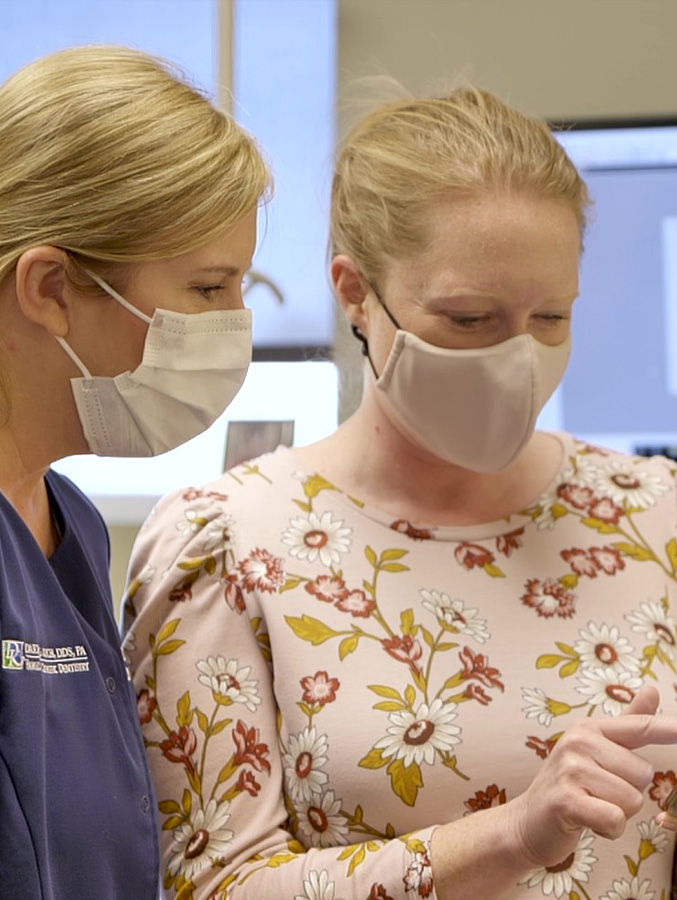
110	684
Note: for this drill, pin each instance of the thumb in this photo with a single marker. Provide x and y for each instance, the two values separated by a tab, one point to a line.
644	703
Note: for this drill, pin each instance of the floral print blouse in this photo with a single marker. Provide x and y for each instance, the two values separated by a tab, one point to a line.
321	684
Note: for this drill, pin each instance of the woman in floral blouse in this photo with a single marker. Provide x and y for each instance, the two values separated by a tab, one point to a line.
423	657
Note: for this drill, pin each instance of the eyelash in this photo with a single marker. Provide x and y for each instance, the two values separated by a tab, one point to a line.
468	323
207	290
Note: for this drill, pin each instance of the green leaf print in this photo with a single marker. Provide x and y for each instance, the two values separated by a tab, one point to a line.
405	781
309	629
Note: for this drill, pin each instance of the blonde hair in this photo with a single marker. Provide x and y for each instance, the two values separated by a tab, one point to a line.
113	155
408	153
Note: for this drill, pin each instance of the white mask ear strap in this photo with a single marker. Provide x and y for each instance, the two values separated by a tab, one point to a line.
114	294
73	355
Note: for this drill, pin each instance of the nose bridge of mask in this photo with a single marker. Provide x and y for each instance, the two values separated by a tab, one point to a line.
169	333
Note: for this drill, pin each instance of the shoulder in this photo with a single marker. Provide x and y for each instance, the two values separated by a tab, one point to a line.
636	481
240	505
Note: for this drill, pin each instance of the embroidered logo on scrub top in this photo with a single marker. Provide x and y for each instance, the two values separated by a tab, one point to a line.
50	660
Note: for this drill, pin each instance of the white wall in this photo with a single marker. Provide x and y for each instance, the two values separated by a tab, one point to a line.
561	59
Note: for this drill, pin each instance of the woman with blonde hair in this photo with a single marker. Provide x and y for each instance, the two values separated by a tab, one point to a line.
391	664
128	210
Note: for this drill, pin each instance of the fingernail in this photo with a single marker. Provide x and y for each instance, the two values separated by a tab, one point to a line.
667	822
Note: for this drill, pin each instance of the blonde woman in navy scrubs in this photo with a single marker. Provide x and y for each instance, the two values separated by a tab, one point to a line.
127	221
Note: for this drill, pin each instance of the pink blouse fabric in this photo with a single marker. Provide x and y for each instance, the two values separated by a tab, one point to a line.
321	684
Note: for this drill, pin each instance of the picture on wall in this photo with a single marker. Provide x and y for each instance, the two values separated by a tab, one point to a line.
247	440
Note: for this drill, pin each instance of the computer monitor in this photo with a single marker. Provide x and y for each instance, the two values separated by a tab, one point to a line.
620	390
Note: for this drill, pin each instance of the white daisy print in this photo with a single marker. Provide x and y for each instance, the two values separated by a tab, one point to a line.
218	535
628	485
191	522
549	515
203	844
229	682
559	879
303	759
317	536
416	738
609	688
540	706
655	623
321	822
653	839
630	890
317	887
456	614
603	646
585	473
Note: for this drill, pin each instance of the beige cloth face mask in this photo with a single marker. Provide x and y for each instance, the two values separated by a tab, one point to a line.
477	408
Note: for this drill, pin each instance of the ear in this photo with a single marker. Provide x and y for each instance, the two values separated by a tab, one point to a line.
40	284
352	289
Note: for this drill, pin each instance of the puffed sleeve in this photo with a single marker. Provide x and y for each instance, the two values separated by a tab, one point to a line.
203	676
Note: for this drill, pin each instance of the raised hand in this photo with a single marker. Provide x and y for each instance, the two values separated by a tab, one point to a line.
592	779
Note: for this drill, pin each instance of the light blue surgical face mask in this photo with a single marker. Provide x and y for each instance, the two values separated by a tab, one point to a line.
192	368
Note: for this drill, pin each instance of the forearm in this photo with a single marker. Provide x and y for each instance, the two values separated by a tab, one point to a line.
478	856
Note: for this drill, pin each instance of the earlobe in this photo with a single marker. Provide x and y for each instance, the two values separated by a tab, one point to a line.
40	284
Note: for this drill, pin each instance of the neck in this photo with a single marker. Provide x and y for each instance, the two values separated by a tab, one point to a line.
370	458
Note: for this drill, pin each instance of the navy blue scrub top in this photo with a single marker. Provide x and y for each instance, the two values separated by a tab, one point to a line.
76	802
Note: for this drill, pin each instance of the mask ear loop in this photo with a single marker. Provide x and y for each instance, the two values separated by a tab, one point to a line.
365	347
362	339
114	294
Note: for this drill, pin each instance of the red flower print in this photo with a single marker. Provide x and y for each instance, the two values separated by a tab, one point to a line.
180	746
404	649
606	511
469	555
319	688
417	534
476	692
475	666
262	571
591	448
247	782
419	876
378	892
486	799
181	592
357	604
549	598
145	704
542	748
575	495
506	543
608	559
581	563
233	593
248	750
192	494
217	495
327	588
662	784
